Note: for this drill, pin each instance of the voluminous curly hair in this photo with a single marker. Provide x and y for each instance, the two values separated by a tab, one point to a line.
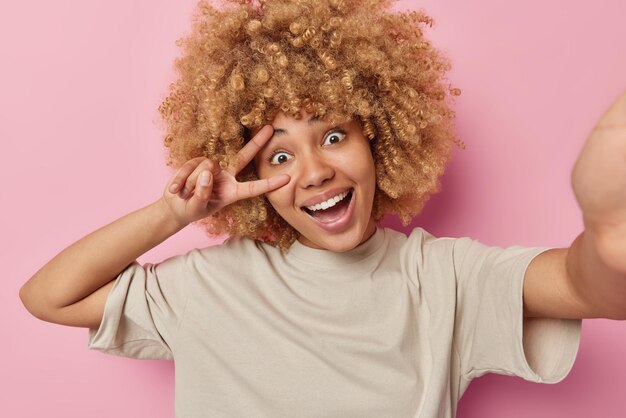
338	59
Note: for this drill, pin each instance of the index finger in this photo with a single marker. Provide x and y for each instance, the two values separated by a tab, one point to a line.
257	187
247	153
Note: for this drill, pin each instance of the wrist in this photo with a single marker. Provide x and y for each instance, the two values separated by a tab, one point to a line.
166	217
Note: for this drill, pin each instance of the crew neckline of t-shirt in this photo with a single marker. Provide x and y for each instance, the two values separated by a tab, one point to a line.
319	256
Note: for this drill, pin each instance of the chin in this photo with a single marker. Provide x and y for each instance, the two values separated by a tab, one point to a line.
335	244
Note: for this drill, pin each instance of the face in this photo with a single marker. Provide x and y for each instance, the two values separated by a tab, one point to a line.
331	192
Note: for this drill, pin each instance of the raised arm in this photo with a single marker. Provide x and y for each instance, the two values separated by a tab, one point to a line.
72	288
86	269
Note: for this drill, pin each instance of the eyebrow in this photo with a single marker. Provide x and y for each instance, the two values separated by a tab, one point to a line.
280	131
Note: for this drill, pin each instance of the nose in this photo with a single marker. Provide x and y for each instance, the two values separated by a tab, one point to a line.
314	171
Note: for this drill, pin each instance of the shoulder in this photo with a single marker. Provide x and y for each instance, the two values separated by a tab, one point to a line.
234	251
422	243
235	246
420	253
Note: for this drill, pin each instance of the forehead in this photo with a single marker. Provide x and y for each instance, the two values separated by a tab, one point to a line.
304	117
283	122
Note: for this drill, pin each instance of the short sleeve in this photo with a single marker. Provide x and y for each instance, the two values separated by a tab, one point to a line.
491	332
143	310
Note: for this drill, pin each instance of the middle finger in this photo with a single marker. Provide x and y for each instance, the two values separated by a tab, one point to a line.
247	153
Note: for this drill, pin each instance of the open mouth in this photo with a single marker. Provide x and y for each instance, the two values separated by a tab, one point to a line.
331	213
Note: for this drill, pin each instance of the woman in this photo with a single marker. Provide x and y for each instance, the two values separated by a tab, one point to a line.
310	308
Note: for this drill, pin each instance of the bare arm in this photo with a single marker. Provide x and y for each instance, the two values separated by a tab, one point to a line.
72	288
95	260
588	279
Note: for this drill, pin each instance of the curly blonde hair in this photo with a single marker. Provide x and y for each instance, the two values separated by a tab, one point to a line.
337	59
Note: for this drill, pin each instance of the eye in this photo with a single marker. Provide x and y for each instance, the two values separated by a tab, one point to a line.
279	157
334	137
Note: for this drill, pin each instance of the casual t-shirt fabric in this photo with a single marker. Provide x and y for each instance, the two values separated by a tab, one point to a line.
396	327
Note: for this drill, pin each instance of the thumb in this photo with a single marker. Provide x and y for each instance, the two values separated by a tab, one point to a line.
202	192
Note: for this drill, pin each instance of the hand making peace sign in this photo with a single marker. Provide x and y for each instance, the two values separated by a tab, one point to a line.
205	188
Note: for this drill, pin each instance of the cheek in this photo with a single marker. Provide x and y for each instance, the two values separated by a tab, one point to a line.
280	199
363	167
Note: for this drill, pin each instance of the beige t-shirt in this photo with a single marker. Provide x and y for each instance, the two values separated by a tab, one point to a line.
396	327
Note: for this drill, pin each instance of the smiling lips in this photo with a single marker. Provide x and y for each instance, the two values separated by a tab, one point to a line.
336	213
328	203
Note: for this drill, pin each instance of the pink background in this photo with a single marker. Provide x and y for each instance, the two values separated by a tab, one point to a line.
79	87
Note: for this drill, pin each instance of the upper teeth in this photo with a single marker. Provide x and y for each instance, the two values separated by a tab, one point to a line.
329	203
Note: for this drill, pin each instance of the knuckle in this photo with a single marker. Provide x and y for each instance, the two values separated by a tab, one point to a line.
190	182
190	163
205	165
193	163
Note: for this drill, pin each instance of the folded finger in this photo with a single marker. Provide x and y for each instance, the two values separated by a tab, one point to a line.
179	179
192	179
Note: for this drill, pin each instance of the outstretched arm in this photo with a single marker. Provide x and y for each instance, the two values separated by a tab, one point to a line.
588	279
